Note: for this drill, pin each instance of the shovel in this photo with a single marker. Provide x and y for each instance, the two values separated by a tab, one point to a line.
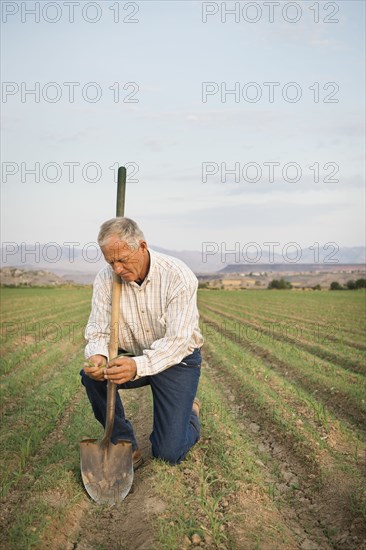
107	468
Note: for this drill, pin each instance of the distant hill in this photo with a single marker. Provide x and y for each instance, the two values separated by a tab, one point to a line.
290	267
194	259
13	276
81	265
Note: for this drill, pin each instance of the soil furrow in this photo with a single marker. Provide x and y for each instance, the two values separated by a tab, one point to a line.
321	510
320	328
88	526
37	333
339	403
129	524
22	490
317	350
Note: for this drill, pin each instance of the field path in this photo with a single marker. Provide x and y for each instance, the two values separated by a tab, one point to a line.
85	525
131	523
281	460
316	511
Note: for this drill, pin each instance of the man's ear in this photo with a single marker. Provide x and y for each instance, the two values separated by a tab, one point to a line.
143	245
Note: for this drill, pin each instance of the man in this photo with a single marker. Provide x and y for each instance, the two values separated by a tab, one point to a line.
159	326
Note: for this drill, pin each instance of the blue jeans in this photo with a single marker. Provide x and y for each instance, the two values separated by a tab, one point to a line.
176	427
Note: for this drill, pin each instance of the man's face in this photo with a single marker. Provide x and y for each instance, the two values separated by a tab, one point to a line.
129	264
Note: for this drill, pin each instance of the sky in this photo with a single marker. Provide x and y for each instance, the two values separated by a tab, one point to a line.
235	127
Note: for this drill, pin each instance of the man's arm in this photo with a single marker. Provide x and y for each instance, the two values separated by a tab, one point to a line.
181	321
97	331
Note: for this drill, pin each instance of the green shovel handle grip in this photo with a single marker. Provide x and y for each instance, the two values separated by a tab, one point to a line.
121	192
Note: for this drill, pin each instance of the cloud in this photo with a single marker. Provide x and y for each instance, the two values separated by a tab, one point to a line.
256	118
75	137
229	219
305	185
156	146
9	122
351	128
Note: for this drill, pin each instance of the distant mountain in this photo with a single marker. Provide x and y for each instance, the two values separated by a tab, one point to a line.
218	262
194	259
12	276
79	264
290	267
82	264
309	260
85	263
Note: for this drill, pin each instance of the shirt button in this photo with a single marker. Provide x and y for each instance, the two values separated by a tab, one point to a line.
142	311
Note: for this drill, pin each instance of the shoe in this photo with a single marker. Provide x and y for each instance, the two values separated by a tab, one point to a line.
196	407
137	459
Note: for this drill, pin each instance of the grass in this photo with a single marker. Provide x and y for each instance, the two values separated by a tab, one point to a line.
218	472
257	391
293	362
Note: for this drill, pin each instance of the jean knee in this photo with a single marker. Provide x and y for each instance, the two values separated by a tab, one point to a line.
169	454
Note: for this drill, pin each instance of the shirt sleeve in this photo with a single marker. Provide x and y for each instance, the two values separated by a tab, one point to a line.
97	332
181	320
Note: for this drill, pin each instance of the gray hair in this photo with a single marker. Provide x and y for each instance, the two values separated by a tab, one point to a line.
125	229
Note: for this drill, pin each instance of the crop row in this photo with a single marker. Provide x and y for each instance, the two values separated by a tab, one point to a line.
343	311
283	323
40	377
343	355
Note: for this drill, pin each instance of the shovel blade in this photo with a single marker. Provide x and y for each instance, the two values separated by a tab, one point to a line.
106	470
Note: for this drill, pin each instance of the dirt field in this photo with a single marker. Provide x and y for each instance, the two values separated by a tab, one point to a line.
281	461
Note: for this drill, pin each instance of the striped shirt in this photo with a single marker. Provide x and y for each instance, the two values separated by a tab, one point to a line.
158	319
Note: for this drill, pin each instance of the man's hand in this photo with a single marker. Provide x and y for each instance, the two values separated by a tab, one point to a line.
96	367
120	370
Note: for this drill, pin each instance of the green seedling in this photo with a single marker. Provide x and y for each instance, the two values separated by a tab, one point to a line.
90	364
124	354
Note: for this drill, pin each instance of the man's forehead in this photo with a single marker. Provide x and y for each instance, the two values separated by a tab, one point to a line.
116	243
115	247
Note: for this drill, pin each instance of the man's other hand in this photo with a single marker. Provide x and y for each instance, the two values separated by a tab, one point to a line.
121	370
94	367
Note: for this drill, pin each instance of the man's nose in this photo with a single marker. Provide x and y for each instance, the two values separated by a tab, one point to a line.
117	268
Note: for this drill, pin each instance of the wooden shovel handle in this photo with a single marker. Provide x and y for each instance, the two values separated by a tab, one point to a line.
114	328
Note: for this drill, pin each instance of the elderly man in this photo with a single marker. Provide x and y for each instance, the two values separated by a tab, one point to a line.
159	327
